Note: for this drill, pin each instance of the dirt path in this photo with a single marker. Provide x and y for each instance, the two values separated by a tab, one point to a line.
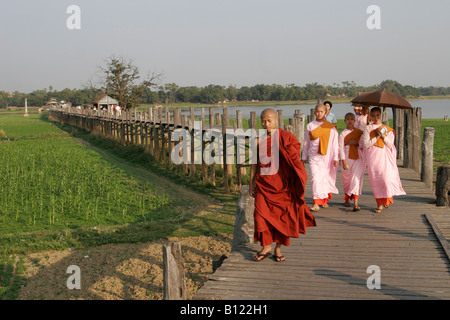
127	271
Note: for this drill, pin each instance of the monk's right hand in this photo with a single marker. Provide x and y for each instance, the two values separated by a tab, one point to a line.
252	191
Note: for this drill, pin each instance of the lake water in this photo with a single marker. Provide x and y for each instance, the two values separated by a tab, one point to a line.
431	109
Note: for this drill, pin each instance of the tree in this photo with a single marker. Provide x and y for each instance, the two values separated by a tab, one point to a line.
188	94
232	93
120	80
244	94
212	94
171	89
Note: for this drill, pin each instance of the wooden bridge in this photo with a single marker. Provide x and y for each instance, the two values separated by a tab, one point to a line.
408	242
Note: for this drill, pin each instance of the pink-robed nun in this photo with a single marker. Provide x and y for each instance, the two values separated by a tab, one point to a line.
351	153
321	147
381	159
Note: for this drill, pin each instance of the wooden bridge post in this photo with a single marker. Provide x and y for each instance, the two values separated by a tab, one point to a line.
280	120
156	135
226	118
252	122
170	143
204	167
217	118
122	129
442	186
177	118
183	125
174	276
299	117
399	127
412	153
191	131
163	142
240	168
212	166
427	156
224	150
312	116
128	127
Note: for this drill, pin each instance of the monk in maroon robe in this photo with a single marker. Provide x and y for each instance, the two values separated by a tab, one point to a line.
280	208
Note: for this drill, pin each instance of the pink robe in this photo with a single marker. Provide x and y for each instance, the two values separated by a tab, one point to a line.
353	177
382	165
323	173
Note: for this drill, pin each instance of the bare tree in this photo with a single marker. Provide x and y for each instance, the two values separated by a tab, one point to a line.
120	79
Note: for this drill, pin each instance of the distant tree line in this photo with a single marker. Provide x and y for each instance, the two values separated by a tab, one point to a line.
172	93
39	98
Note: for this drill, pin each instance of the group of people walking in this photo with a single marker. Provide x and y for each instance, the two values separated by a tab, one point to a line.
364	143
280	208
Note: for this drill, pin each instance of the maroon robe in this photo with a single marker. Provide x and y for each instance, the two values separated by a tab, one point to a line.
280	208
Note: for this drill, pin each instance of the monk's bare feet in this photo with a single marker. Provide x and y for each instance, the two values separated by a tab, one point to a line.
379	209
325	205
264	253
277	254
315	207
347	203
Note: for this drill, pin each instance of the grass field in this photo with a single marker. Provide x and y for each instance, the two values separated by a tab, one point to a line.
51	182
62	191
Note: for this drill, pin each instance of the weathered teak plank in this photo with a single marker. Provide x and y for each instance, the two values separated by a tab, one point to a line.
331	260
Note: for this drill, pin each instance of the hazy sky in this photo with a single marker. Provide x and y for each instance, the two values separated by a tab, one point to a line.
237	42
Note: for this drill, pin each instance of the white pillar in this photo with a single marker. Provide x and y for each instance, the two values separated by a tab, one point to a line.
26	108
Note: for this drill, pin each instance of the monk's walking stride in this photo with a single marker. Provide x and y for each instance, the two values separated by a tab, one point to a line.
381	160
277	182
321	147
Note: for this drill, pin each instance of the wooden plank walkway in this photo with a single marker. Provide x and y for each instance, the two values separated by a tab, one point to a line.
331	260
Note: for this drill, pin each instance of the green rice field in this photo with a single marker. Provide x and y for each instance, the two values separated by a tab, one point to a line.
50	181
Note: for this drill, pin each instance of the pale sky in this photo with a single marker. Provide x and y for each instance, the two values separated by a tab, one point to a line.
226	42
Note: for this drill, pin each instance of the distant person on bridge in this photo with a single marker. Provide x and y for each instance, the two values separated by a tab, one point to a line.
277	182
358	110
381	160
328	114
321	147
364	118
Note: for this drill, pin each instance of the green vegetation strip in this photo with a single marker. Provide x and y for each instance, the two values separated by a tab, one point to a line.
55	192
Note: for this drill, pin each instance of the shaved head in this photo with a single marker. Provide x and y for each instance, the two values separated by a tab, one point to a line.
269	112
269	120
321	106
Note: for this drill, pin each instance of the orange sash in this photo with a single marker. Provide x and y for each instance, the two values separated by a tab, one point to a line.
353	150
380	142
323	132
